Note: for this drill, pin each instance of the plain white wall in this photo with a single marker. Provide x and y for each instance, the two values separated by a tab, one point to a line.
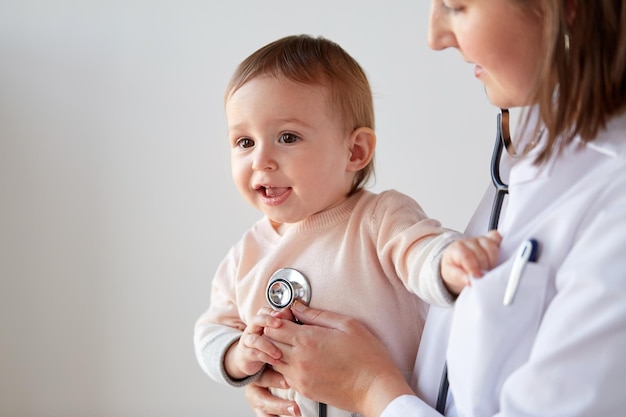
116	202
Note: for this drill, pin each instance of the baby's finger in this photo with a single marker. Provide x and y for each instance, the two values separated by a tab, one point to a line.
285	314
260	348
261	321
491	247
495	236
472	258
264	310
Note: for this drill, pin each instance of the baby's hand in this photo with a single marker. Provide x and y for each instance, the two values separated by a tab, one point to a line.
253	350
469	257
284	314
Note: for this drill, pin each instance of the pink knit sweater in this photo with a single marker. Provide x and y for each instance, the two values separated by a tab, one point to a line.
366	258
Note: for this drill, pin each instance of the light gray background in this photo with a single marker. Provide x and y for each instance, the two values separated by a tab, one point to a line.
116	202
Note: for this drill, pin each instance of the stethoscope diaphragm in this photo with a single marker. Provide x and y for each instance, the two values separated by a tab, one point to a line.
285	286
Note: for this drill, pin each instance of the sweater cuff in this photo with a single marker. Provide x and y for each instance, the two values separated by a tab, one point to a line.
236	382
212	343
429	284
447	298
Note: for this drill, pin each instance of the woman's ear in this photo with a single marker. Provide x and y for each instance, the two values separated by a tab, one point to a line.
571	11
362	146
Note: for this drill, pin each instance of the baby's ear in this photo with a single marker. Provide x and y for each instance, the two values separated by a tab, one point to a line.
362	146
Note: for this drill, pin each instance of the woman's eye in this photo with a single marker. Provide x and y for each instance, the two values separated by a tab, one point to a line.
244	143
450	8
288	138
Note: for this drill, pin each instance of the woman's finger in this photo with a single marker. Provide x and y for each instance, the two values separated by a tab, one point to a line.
321	318
271	379
263	402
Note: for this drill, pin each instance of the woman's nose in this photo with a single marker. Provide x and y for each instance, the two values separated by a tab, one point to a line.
439	34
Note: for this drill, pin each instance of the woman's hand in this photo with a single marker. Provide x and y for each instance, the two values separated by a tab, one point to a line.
336	360
263	402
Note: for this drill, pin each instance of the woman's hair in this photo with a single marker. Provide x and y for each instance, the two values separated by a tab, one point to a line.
581	81
316	61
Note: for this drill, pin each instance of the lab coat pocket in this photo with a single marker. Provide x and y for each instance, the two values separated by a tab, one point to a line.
489	340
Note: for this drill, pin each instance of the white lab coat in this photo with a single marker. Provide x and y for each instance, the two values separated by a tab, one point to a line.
559	349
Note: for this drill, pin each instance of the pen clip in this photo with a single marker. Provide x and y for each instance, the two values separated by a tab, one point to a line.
527	252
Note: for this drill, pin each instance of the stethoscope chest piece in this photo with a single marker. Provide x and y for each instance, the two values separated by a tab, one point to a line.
285	286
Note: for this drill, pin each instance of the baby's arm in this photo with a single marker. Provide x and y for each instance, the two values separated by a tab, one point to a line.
469	257
252	350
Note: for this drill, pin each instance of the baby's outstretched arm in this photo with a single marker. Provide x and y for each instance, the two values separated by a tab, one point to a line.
469	257
253	350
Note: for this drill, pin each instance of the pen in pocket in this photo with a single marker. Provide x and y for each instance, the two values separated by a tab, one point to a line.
527	252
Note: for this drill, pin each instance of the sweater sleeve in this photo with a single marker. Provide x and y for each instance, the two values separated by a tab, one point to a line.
411	245
220	326
211	343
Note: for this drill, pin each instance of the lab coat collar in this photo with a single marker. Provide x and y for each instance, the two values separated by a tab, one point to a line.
610	141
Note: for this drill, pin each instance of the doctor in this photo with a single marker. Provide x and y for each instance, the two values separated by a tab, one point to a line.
558	348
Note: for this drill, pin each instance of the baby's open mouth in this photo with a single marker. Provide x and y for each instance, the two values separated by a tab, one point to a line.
273	192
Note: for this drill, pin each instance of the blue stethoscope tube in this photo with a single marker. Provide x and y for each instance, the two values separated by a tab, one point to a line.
502	189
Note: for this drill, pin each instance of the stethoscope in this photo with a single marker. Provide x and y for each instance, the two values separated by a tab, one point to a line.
285	286
503	139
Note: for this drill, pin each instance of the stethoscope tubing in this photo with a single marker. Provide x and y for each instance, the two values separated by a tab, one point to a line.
502	189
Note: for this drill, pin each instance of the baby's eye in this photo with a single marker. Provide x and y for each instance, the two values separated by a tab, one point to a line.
244	143
288	138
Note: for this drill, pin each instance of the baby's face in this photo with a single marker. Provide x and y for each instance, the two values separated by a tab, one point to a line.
289	150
